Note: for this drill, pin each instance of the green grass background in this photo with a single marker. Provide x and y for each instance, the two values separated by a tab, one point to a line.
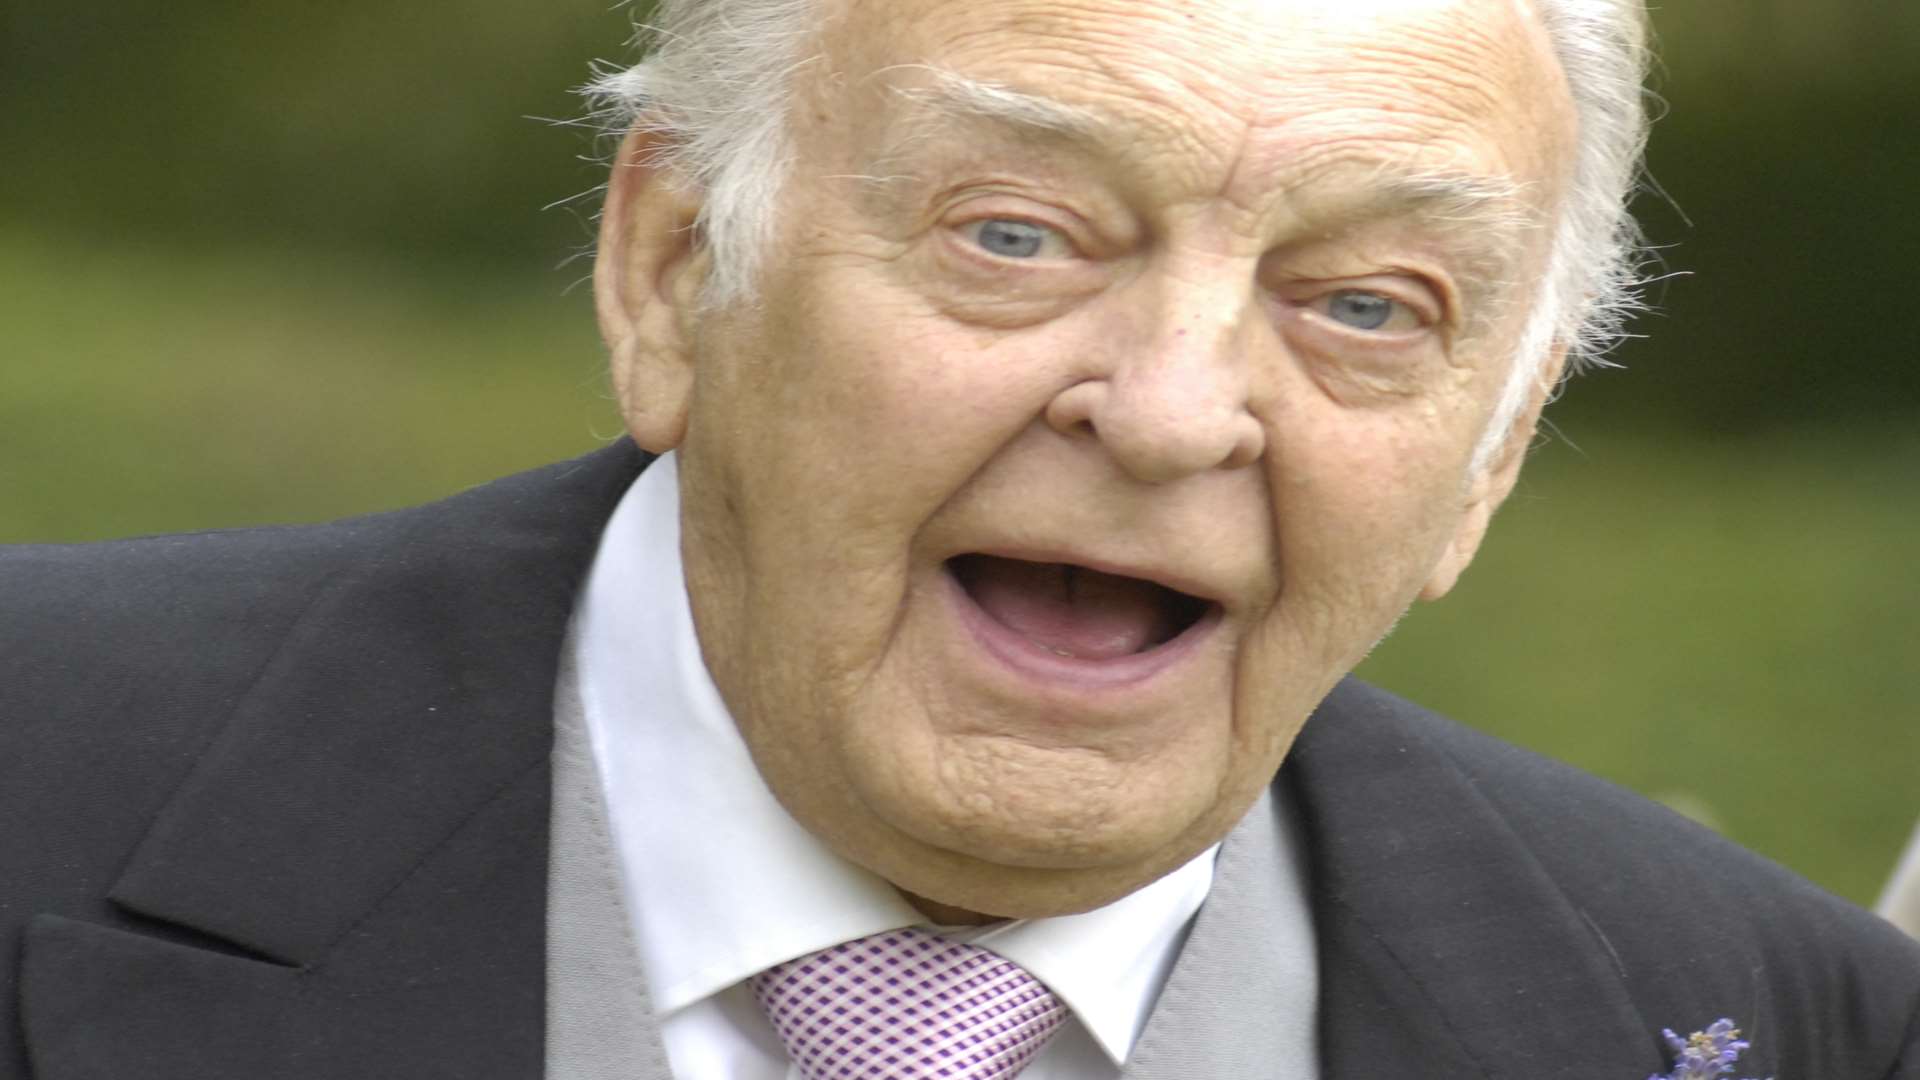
162	388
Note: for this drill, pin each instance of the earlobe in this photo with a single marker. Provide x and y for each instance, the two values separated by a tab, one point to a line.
1460	551
1492	486
646	284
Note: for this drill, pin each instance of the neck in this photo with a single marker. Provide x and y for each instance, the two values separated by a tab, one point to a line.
946	915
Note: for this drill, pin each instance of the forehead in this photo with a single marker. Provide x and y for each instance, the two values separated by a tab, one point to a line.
1235	97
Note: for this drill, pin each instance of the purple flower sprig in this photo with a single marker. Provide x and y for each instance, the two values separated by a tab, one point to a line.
1704	1055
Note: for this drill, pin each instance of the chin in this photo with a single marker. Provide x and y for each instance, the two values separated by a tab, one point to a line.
1058	844
1122	833
1042	884
1017	794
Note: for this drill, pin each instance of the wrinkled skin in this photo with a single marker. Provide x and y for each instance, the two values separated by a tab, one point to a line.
1161	377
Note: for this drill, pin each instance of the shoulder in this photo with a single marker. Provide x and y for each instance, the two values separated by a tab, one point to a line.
121	661
94	636
1685	915
127	668
1573	820
143	606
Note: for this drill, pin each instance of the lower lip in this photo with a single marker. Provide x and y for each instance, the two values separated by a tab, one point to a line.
1041	664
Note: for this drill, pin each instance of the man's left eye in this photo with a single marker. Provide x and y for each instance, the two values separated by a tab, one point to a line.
1011	239
1369	311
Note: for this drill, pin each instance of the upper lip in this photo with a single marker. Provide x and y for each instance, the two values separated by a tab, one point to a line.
1165	576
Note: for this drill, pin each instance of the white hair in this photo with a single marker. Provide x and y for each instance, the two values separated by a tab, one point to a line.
714	89
716	85
1593	267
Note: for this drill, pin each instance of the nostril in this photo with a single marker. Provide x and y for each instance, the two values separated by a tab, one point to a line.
1249	445
1071	411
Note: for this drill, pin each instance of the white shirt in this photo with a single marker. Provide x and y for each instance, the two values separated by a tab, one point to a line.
722	883
1900	903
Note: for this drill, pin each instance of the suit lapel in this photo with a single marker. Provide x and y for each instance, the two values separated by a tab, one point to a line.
1445	949
352	881
1239	1002
599	1013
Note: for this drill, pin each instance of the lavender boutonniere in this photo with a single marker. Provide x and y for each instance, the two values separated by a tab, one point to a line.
1704	1055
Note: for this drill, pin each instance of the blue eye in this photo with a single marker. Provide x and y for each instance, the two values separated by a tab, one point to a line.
1360	310
1010	239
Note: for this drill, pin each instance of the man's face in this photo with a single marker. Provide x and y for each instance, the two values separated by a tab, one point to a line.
1113	389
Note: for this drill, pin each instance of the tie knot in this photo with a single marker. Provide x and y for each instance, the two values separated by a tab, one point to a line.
904	1005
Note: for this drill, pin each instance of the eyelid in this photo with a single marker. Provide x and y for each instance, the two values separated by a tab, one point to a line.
1427	302
1052	233
980	207
1399	312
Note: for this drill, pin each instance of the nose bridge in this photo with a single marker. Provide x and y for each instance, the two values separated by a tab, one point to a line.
1192	355
1177	400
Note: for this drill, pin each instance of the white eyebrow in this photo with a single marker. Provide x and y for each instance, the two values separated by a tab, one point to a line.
1486	219
1449	197
944	99
951	95
1452	197
1488	216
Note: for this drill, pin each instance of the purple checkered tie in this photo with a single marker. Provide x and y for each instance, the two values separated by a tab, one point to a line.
906	1005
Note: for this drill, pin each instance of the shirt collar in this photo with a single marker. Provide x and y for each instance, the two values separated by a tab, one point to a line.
721	882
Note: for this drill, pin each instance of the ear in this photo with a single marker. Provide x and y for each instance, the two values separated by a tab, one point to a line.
646	288
1493	484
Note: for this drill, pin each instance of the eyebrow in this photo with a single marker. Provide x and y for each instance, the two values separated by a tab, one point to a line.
1483	221
1446	197
1485	217
948	99
951	96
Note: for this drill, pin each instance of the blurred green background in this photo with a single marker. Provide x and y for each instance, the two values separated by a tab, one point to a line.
286	262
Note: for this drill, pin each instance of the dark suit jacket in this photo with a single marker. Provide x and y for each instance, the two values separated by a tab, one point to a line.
274	803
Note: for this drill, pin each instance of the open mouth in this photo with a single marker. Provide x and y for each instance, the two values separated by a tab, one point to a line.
1076	612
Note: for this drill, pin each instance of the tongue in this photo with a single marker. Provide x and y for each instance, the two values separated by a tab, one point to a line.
1069	609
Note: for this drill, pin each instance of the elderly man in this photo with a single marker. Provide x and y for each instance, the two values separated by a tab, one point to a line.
1045	405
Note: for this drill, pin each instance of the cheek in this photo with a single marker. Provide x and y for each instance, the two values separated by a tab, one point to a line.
894	399
835	424
1362	515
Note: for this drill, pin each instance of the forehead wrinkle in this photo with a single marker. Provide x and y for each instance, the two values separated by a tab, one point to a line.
1101	94
950	100
954	96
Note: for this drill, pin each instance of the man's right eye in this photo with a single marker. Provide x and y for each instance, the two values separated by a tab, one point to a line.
1012	239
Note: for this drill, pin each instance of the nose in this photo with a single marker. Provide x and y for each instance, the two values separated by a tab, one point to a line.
1173	399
